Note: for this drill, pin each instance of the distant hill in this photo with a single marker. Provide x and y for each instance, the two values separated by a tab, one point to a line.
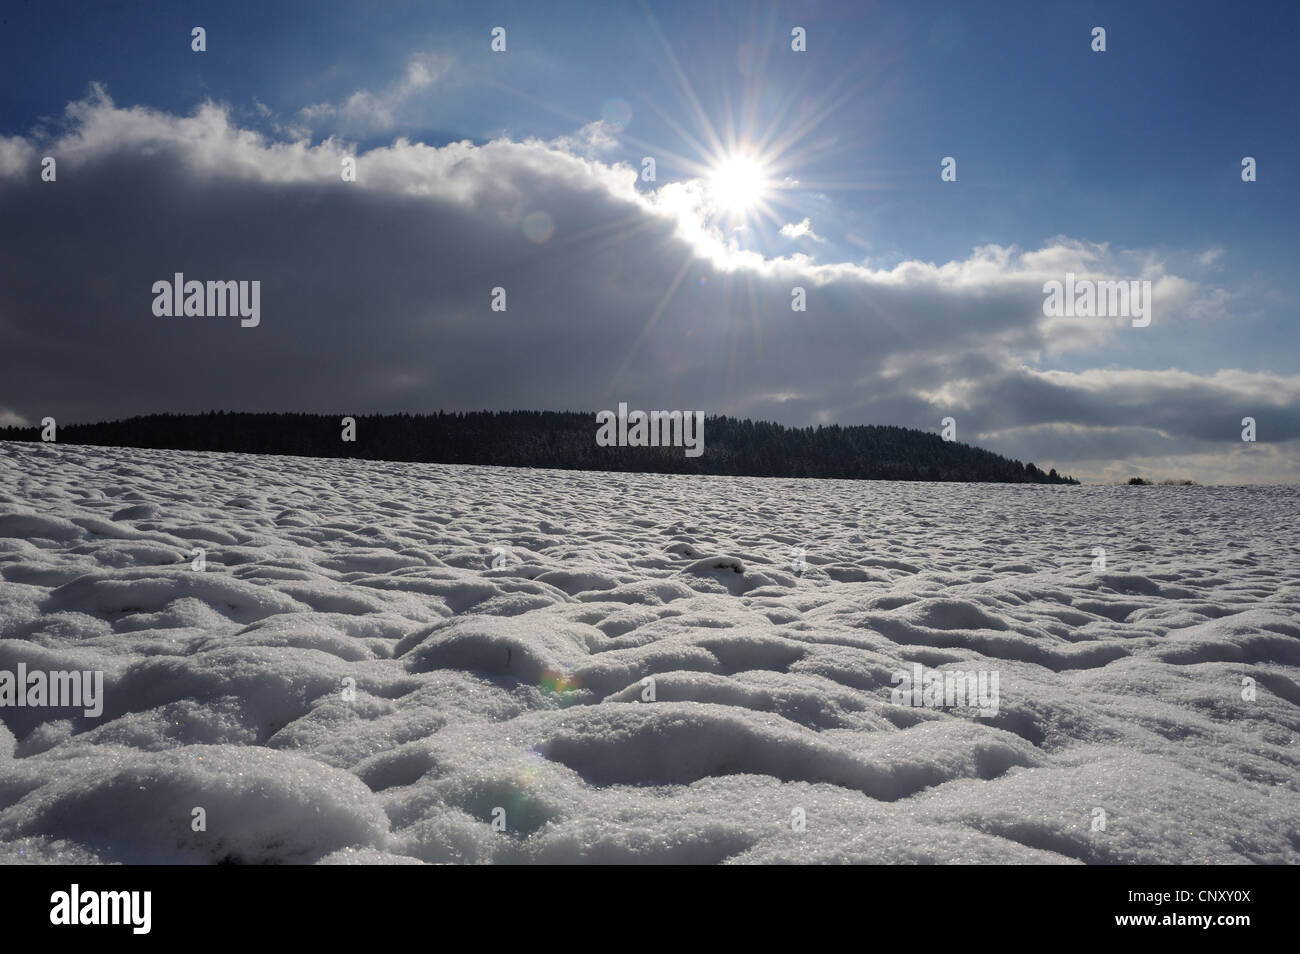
565	440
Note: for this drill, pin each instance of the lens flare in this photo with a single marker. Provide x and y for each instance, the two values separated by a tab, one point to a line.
566	687
538	226
617	113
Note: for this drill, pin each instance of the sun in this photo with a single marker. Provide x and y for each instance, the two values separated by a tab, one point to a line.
738	183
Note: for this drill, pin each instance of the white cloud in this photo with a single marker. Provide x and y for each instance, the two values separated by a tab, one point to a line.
365	112
803	229
592	140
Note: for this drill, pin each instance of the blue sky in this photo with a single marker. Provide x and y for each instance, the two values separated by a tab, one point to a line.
1147	137
1137	149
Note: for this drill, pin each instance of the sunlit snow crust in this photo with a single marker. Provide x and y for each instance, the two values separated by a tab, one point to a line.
378	657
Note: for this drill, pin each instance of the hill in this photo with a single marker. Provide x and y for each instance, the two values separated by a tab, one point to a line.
565	440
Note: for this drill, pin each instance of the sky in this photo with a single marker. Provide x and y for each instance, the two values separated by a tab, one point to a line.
775	169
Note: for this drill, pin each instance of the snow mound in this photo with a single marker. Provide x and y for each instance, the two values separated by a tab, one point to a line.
259	806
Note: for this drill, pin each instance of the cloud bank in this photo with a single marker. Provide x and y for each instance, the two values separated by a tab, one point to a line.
377	296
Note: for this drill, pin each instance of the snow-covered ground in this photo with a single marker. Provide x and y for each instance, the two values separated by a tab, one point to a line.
351	680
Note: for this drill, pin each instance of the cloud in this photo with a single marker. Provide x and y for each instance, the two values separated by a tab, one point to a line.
376	296
9	419
365	112
803	229
592	140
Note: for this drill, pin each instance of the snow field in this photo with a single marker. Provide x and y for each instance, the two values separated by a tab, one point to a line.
351	680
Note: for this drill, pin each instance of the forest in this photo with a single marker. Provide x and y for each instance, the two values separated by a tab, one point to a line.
564	440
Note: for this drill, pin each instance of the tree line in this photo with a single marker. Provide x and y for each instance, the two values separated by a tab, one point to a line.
565	440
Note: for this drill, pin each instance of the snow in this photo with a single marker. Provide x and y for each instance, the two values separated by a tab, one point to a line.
380	658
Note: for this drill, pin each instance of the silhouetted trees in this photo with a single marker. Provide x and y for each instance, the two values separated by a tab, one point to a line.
565	440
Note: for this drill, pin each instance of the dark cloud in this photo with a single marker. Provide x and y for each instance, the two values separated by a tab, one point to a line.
376	297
